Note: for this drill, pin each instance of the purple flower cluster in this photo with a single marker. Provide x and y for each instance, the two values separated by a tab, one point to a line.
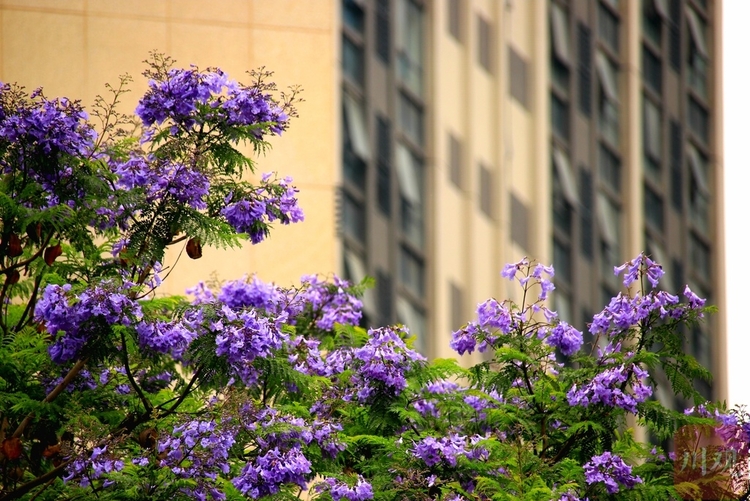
36	134
269	471
266	203
612	471
446	450
254	293
72	320
97	465
638	267
566	338
330	302
361	491
172	337
491	318
242	337
161	179
624	312
188	98
381	365
198	450
606	386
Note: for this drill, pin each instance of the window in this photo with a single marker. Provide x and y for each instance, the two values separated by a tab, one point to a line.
699	191
454	19
410	315
584	68
564	192
561	260
354	218
355	272
609	167
353	61
455	155
653	13
560	34
519	80
675	148
675	58
486	189
356	142
457	319
384	291
354	16
560	119
698	119
519	222
409	19
560	49
697	54
608	219
411	119
409	170
609	114
412	272
485	43
587	213
653	208
652	70
609	29
383	30
652	139
700	257
384	166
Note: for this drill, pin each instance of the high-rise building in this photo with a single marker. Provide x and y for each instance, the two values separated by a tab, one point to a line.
440	139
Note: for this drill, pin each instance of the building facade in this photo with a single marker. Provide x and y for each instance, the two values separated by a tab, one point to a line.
441	139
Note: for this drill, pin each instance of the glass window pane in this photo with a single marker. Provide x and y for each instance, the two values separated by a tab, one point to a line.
354	218
609	27
609	167
412	272
410	44
653	207
560	33
354	16
411	119
354	61
560	120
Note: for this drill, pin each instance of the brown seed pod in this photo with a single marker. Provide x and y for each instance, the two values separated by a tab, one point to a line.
147	438
16	474
14	246
51	451
11	448
13	276
194	249
52	253
34	231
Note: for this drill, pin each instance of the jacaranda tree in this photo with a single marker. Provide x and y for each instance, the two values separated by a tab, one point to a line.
109	390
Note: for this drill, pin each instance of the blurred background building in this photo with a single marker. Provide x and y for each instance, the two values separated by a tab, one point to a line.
441	139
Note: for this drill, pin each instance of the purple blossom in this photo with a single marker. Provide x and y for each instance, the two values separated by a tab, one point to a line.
361	491
566	338
74	320
605	389
252	212
269	471
382	364
612	471
330	302
641	265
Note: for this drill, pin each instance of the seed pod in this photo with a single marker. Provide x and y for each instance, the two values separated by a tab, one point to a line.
16	474
52	253
147	438
11	448
14	246
194	249
13	276
51	451
34	231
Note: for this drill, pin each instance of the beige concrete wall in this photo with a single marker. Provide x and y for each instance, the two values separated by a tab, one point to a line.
73	47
